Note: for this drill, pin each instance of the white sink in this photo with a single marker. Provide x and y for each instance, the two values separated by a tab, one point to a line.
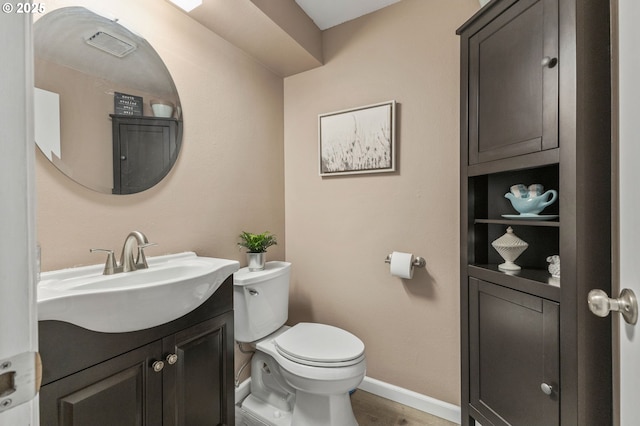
173	286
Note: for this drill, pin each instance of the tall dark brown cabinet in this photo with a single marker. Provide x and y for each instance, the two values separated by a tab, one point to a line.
535	108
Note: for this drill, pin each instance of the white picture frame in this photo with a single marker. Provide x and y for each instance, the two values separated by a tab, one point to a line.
358	140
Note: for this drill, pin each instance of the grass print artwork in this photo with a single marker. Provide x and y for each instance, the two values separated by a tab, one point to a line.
359	140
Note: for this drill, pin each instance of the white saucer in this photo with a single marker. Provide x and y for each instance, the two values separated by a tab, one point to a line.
530	216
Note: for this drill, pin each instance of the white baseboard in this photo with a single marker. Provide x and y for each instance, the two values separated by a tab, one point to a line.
395	393
412	399
243	390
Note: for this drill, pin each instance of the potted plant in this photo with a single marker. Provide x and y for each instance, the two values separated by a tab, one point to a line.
256	245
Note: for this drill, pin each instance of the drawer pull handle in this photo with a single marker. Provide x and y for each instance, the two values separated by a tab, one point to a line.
157	366
549	62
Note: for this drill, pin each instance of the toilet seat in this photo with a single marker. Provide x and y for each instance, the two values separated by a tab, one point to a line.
319	345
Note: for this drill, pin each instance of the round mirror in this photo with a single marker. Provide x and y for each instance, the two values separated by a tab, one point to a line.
107	113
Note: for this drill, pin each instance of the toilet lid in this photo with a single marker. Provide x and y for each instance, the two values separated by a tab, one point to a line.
319	344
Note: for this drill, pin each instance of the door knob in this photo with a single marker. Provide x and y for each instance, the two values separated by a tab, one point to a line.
627	304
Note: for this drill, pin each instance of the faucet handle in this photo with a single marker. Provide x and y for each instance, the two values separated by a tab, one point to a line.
141	261
110	265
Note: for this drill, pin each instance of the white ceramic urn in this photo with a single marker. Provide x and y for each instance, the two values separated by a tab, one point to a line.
510	247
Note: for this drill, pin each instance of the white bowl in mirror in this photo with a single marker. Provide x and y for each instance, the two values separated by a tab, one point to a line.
162	109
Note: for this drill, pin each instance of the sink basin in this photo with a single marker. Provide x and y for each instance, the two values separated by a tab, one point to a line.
173	286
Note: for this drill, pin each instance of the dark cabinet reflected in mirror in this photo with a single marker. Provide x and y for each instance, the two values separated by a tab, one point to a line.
107	113
144	150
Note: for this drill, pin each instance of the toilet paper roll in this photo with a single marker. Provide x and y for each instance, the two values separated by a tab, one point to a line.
401	264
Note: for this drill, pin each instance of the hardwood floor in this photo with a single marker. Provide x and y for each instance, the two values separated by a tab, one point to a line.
372	410
377	411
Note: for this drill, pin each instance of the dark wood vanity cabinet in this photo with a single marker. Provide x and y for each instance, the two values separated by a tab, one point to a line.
194	388
183	378
121	391
144	150
535	108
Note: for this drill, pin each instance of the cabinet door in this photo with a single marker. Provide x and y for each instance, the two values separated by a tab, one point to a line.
513	96
514	350
198	388
123	391
144	151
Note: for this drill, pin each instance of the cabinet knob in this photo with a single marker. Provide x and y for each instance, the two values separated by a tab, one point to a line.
157	366
546	389
549	62
172	359
123	157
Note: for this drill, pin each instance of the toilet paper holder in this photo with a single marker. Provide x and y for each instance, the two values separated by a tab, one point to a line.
418	262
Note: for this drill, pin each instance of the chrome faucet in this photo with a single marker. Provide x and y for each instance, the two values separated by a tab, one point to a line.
135	239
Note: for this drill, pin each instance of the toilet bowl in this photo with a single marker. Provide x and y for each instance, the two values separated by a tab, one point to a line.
300	375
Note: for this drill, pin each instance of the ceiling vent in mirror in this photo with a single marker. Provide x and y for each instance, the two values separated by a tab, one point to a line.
111	44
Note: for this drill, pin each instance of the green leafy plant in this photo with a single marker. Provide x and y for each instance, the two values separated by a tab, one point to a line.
257	243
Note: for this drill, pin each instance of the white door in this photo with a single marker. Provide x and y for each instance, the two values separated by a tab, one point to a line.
629	128
18	321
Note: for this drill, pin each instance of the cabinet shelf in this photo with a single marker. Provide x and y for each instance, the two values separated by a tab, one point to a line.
542	237
145	117
533	281
551	224
522	162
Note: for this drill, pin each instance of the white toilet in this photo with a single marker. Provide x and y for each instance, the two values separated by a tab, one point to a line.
300	375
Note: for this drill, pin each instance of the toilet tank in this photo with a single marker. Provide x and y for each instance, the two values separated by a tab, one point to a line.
260	300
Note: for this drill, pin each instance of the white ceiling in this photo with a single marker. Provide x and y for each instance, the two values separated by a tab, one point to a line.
329	13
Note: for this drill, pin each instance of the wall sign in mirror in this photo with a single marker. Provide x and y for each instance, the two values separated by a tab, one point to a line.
106	108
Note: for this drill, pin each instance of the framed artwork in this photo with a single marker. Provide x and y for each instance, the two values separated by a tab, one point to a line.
358	140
